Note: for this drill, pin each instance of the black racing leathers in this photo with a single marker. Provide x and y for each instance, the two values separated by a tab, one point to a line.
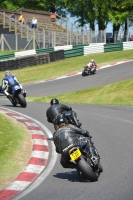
66	136
55	110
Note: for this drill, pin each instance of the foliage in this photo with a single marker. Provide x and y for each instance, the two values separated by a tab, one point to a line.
87	11
118	12
8	6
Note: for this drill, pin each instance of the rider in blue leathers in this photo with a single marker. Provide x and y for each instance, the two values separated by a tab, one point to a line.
7	82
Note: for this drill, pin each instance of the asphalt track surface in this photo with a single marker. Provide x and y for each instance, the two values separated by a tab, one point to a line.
112	131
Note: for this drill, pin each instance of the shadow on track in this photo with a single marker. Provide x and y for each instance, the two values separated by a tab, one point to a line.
72	176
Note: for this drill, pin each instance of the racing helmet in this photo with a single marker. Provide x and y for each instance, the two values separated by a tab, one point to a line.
92	60
54	101
7	73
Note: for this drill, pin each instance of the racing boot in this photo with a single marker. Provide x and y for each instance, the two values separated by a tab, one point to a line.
67	164
93	153
9	97
76	120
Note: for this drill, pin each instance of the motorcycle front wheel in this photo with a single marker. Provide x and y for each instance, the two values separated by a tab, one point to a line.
83	73
14	102
22	100
86	169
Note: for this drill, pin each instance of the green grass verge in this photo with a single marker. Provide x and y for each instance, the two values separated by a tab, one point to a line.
120	93
15	147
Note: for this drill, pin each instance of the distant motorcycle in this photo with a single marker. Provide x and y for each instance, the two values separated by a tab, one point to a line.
88	70
17	96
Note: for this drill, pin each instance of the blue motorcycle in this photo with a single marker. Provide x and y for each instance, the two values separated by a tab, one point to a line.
17	96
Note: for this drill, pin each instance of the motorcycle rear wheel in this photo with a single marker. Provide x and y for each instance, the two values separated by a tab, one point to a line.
86	169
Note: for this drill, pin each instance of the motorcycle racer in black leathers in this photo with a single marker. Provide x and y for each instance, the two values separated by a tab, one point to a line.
65	137
56	110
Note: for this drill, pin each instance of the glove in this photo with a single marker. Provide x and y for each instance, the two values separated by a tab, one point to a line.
70	108
85	133
49	120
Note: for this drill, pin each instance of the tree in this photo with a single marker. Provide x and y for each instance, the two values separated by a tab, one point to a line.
83	10
8	5
90	11
119	10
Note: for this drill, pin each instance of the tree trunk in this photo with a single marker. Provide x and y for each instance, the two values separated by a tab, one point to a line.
52	9
92	26
115	31
101	25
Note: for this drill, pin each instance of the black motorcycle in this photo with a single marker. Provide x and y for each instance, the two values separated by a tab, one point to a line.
87	160
89	70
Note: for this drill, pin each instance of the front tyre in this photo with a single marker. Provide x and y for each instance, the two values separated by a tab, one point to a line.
14	102
83	73
22	100
86	169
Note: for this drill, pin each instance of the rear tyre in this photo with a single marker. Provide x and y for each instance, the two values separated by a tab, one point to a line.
87	171
100	168
22	100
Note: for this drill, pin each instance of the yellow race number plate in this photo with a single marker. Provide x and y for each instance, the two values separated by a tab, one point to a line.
76	154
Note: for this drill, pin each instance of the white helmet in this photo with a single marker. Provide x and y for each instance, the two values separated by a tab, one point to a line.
7	73
92	60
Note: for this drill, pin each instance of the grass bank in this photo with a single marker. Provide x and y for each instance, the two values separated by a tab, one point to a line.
120	94
66	66
15	148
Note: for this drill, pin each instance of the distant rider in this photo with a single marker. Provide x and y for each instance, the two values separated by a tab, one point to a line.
56	110
91	65
7	82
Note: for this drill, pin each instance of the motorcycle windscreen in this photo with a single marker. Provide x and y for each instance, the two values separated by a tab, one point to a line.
15	87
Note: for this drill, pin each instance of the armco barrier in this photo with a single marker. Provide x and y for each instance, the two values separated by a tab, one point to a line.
25	53
74	52
80	45
63	47
6	56
47	50
94	48
127	45
113	47
42	56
